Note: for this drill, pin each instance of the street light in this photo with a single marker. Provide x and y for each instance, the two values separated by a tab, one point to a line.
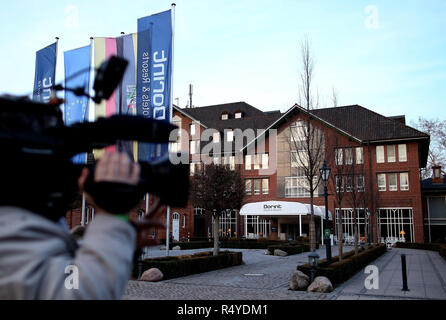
313	261
325	174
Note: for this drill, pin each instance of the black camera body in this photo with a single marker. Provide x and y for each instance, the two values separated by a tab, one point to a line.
35	163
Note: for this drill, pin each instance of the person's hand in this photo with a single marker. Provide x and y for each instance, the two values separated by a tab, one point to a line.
111	167
146	225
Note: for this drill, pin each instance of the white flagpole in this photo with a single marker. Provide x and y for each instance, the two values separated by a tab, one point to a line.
170	117
53	92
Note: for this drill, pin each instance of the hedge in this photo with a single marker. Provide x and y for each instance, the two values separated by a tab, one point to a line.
439	247
339	272
180	266
289	249
230	243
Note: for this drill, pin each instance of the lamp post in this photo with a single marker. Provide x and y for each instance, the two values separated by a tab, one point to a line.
313	260
325	174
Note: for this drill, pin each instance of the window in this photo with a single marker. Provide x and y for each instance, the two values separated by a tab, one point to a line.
248	162
338	156
348	156
238	115
192	168
192	129
381	181
194	146
339	184
404	181
231	162
257	162
359	155
360	183
299	159
217	161
230	135
184	221
224	116
265	186
257	186
297	187
175	147
265	161
437	172
379	154
248	187
392	182
402	153
391	157
349	184
216	137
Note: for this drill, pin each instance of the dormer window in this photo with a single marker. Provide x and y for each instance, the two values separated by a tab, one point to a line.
238	115
224	116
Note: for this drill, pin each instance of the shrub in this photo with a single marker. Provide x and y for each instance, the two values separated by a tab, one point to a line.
439	247
174	267
289	249
339	272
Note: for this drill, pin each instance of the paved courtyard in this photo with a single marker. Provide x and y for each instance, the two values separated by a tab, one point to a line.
265	277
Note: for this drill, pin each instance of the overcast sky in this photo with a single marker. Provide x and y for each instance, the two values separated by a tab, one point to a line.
388	56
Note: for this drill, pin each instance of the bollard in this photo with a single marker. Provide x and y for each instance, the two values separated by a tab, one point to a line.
404	272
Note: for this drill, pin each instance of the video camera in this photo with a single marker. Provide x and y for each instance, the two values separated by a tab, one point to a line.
36	168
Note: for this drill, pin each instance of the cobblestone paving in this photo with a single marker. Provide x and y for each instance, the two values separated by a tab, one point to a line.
262	277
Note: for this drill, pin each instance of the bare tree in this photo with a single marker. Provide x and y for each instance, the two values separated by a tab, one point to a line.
217	188
306	138
437	149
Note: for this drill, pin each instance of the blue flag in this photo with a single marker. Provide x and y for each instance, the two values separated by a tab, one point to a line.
45	73
153	76
77	74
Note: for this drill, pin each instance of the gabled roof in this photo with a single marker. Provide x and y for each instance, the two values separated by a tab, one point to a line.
367	125
252	117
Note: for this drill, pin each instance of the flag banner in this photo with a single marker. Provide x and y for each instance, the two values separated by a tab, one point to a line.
45	73
153	76
103	49
126	101
76	108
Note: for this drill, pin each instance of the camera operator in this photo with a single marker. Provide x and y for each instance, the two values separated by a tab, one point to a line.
36	252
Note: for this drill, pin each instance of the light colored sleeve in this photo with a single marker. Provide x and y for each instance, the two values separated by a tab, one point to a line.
37	264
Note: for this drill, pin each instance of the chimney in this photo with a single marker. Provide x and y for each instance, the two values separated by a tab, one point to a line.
436	174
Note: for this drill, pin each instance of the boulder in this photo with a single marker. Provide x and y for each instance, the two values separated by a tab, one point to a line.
268	253
176	248
280	253
321	284
152	275
299	281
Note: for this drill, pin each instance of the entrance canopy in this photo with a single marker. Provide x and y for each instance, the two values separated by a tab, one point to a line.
281	208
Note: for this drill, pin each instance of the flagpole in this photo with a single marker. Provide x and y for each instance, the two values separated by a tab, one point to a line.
86	156
53	92
170	116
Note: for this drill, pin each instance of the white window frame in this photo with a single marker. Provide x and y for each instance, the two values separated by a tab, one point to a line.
339	188
381	187
224	116
265	161
402	152
348	156
380	154
192	168
258	191
393	187
248	192
192	129
265	189
230	135
257	161
238	115
404	187
339	159
248	162
349	184
390	158
360	187
359	151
